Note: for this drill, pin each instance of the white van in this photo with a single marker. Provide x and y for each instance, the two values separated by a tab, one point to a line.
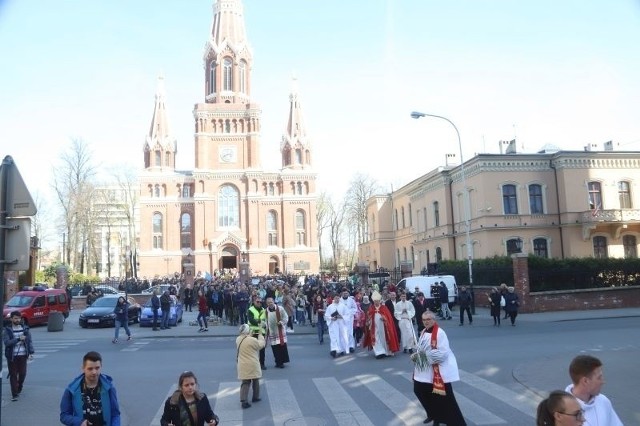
424	283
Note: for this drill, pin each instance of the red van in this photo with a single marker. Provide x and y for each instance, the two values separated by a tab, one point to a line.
35	305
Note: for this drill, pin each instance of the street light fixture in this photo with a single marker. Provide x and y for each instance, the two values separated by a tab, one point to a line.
467	212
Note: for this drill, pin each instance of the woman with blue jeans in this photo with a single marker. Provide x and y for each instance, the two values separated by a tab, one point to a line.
319	307
203	312
122	318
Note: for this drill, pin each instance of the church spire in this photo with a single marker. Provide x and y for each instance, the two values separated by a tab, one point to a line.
296	145
160	148
228	23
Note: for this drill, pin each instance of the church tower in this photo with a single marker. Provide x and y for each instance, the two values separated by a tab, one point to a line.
227	123
295	146
160	148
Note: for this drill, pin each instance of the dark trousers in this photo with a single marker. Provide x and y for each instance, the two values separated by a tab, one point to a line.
165	319
512	316
462	311
155	319
320	325
17	373
441	408
202	316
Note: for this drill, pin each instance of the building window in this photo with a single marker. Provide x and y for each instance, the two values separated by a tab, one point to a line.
299	188
600	247
438	254
156	191
424	213
402	215
535	199
540	248
404	253
301	230
212	77
595	196
630	246
158	157
413	255
228	207
436	214
512	246
185	231
272	228
227	74
243	76
624	194
272	190
410	216
186	191
227	126
157	231
509	199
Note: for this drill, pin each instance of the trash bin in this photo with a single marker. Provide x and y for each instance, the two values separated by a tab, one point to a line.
55	321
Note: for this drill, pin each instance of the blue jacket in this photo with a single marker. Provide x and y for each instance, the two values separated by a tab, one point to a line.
71	403
10	341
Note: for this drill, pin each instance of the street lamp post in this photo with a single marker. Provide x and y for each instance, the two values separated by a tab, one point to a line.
467	212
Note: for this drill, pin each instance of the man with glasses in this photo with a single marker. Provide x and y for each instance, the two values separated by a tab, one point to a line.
588	379
435	369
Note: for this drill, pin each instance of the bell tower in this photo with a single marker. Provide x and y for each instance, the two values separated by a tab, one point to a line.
227	122
160	148
296	145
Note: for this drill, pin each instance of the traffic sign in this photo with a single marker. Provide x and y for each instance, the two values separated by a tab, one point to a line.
17	245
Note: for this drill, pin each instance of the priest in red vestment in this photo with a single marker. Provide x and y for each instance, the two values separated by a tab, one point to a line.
380	332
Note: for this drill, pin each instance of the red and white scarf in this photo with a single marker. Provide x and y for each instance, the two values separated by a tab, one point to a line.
438	383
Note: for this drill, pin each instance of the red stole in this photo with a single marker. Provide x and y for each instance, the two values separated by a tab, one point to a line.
438	384
278	320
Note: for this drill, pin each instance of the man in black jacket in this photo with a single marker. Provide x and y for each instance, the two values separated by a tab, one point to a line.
165	307
464	299
155	307
18	347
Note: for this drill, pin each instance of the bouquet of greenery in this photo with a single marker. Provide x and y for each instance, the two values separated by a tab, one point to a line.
420	359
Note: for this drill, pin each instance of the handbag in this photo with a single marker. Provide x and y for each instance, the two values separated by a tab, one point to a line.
503	302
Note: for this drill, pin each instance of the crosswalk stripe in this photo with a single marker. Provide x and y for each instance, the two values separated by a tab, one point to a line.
526	404
470	410
407	410
344	408
156	419
227	403
285	406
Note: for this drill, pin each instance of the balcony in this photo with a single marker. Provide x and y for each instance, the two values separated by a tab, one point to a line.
617	215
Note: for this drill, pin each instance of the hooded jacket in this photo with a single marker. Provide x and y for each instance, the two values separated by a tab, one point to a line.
71	403
175	402
598	410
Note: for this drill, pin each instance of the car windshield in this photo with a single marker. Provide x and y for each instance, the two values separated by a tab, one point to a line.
105	302
19	301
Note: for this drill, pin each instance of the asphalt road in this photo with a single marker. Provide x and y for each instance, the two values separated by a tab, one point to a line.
505	371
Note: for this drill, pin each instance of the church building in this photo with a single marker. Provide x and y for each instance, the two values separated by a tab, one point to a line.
227	210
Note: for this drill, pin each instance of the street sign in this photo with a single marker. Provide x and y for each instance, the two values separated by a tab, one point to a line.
17	245
19	201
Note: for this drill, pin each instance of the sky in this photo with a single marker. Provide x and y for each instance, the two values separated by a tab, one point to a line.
542	71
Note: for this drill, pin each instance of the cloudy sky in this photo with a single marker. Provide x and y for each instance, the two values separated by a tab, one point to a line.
561	72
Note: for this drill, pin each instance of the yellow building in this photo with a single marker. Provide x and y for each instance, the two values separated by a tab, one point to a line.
556	204
228	208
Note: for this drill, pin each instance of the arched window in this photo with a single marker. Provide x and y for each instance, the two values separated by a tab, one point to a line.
600	247
185	231
272	190
299	188
402	216
540	247
438	254
509	199
157	230
158	157
156	191
535	199
514	245
298	156
301	228
404	253
228	207
186	191
272	228
243	76
212	77
436	214
410	216
624	194
630	245
227	83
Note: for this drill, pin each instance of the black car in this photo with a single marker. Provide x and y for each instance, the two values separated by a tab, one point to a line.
101	312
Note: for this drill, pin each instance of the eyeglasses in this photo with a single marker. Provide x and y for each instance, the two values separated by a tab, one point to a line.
578	415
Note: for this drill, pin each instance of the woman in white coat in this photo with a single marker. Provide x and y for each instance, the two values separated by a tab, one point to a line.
249	371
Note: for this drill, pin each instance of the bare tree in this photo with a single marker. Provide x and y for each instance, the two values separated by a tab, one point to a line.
336	217
323	207
72	183
362	187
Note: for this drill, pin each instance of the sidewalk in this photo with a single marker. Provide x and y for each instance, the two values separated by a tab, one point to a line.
73	330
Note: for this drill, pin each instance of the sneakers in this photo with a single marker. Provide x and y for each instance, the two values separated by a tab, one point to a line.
256	400
245	404
129	338
114	341
14	398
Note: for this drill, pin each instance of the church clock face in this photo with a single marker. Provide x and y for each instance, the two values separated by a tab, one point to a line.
227	154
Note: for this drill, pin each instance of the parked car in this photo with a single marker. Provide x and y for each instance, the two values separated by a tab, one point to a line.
36	305
175	314
101	312
161	288
107	289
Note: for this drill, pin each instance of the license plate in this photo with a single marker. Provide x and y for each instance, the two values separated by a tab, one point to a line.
93	321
